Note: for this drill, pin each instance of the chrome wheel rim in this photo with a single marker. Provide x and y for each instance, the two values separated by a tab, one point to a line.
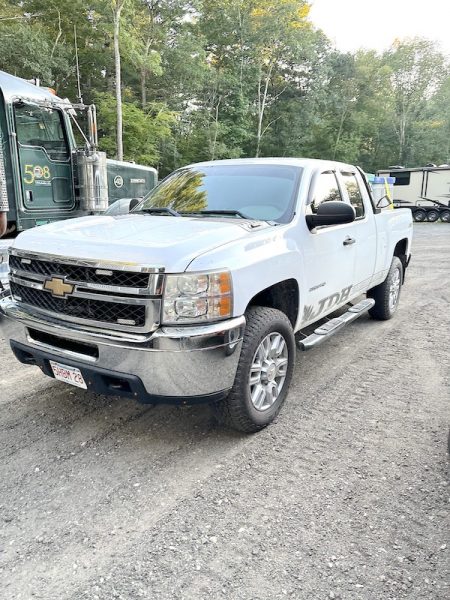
268	371
394	289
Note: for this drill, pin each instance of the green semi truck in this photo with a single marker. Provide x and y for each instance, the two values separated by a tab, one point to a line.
50	169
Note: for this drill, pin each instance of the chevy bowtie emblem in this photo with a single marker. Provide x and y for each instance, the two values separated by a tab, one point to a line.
58	287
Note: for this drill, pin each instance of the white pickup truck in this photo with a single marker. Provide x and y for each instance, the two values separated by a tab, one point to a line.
200	293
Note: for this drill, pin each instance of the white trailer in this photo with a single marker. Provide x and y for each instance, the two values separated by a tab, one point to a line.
424	190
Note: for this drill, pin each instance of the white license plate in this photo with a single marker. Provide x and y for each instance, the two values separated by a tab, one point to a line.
68	374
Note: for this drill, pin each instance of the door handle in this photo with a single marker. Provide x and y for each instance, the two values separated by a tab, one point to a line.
349	241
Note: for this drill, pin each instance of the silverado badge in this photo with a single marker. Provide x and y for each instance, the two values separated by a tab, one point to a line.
58	287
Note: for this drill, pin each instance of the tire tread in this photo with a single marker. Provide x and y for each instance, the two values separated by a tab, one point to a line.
232	410
381	311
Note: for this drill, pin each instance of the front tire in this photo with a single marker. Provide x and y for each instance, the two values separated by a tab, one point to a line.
264	372
387	294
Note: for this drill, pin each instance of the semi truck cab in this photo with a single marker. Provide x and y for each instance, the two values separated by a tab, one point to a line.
49	168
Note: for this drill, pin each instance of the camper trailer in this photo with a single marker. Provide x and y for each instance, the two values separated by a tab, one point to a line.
424	190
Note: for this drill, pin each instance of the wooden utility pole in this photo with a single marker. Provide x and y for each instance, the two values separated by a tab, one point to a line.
117	6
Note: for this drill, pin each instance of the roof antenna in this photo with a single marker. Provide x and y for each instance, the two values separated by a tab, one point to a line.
80	97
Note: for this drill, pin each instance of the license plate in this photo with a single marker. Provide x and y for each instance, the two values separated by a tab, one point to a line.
68	374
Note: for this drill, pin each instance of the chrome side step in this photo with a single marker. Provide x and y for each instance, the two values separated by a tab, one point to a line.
332	326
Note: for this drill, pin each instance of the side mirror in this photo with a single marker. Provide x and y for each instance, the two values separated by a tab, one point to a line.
331	213
122	206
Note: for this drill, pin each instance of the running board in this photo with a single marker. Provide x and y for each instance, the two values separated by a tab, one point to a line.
332	326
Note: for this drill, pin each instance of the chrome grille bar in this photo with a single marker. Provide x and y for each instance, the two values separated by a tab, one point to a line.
30	271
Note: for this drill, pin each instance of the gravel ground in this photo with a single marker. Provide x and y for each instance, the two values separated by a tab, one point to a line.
346	495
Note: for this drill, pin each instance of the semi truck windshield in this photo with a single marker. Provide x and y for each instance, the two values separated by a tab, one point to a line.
41	127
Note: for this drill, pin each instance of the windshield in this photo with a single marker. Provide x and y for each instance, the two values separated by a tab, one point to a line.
263	192
42	127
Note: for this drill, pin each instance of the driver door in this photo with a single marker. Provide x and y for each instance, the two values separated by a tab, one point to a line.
44	158
329	255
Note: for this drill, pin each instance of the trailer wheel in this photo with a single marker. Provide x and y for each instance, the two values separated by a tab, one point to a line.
419	216
433	215
387	294
264	372
445	216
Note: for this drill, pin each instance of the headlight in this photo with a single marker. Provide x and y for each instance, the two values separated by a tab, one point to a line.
194	297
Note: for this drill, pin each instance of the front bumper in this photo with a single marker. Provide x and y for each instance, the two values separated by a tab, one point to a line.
173	364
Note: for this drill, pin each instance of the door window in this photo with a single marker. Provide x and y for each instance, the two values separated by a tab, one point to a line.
354	193
41	127
326	190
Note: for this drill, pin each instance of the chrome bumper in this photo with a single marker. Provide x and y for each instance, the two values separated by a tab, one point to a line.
185	362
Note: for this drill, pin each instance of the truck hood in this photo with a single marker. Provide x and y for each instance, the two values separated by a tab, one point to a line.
158	241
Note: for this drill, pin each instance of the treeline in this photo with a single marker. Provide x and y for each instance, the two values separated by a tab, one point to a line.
207	79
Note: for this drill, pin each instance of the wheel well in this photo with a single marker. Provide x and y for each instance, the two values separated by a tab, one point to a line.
284	296
400	251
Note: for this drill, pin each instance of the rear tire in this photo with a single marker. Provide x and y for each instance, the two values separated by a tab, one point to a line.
445	216
432	216
264	372
419	216
387	294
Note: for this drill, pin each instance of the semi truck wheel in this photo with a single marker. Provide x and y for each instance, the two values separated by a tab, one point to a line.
387	294
433	215
419	216
264	372
445	216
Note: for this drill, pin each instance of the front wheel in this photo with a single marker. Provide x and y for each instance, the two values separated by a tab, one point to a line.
264	372
387	294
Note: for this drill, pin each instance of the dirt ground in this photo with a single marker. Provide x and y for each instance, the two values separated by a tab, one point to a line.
346	495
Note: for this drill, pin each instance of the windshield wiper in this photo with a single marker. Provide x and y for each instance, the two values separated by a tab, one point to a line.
160	211
231	213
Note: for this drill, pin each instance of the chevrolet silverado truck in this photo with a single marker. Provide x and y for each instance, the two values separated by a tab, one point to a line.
203	290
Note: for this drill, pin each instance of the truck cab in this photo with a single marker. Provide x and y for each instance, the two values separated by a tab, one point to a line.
40	156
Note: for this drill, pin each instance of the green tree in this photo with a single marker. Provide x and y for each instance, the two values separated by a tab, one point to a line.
144	132
29	52
418	68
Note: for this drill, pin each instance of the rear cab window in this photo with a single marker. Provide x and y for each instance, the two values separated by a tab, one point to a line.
355	195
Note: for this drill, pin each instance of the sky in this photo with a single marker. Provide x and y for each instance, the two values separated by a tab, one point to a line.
375	24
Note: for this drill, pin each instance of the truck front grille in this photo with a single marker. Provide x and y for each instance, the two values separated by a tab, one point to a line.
85	308
87	292
80	274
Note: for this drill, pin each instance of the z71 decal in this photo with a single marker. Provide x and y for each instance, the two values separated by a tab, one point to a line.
310	313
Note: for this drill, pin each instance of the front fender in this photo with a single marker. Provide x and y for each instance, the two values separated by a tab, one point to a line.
264	259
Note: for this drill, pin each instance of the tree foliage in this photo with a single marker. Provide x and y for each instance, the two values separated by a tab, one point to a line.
209	79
